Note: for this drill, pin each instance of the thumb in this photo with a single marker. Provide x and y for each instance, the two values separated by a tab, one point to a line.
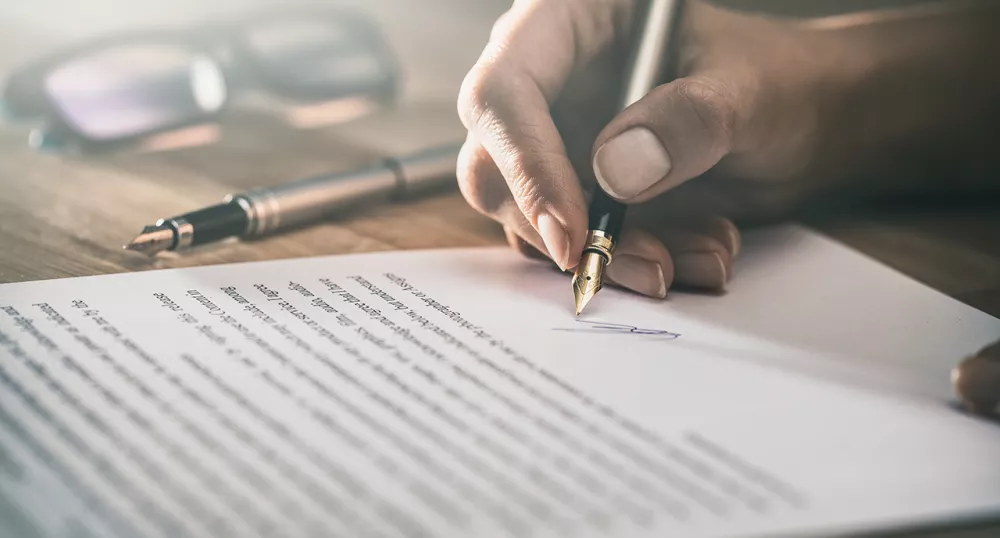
676	132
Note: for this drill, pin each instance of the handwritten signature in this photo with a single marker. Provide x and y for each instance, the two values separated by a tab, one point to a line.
617	328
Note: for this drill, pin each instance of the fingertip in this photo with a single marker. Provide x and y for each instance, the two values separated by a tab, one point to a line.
577	228
676	132
556	237
642	264
701	269
700	261
730	236
977	381
639	275
631	162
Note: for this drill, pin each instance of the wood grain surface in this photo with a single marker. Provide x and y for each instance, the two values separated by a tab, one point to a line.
63	216
66	216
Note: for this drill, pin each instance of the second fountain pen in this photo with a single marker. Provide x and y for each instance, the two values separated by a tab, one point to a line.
267	210
648	66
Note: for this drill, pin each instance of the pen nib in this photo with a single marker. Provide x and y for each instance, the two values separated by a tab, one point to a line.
588	279
152	240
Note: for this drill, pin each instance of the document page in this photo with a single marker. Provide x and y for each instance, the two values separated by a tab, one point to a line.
453	393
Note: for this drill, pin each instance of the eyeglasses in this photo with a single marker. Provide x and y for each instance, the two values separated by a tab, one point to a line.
112	91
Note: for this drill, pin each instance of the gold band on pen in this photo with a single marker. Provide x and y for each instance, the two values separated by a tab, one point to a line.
600	242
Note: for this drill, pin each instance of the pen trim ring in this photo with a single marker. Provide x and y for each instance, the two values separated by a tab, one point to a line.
262	209
185	233
600	242
247	208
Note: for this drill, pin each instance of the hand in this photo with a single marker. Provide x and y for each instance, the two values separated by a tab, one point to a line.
766	113
977	381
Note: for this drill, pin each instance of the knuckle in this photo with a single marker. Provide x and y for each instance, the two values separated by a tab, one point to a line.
712	103
471	97
502	25
480	97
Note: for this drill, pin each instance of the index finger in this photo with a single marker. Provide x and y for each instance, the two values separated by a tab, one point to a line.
505	101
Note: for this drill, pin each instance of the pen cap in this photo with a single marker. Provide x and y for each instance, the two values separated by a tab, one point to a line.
605	214
311	199
428	170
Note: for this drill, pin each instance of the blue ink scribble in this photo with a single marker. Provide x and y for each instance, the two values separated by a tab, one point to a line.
617	328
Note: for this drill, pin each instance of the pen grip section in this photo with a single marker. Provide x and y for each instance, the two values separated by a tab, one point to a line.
216	223
606	214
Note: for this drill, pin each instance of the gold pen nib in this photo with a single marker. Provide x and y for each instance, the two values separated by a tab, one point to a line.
589	278
152	240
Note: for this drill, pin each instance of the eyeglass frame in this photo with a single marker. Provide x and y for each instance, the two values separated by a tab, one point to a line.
225	44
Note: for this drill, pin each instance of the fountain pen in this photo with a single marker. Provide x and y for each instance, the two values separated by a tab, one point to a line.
267	210
648	65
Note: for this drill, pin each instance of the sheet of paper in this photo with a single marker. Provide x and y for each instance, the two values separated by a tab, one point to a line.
454	393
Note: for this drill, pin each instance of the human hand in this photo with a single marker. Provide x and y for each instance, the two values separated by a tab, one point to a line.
977	381
766	113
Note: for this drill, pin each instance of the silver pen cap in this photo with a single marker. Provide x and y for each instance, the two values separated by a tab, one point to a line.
308	200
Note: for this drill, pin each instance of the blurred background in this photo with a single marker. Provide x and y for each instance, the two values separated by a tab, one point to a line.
38	26
44	197
435	41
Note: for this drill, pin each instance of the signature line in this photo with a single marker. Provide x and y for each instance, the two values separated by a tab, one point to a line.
618	328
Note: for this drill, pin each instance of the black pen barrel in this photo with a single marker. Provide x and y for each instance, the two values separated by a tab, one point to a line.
216	223
648	65
606	214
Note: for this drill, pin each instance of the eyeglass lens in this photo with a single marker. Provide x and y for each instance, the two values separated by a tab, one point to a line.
130	90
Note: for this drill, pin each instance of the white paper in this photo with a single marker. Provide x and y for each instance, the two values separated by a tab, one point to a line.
453	393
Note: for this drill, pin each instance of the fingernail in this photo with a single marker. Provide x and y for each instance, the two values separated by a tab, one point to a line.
556	239
700	269
734	236
638	274
631	162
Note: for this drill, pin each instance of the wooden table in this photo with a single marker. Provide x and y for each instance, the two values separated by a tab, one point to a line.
68	216
65	216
